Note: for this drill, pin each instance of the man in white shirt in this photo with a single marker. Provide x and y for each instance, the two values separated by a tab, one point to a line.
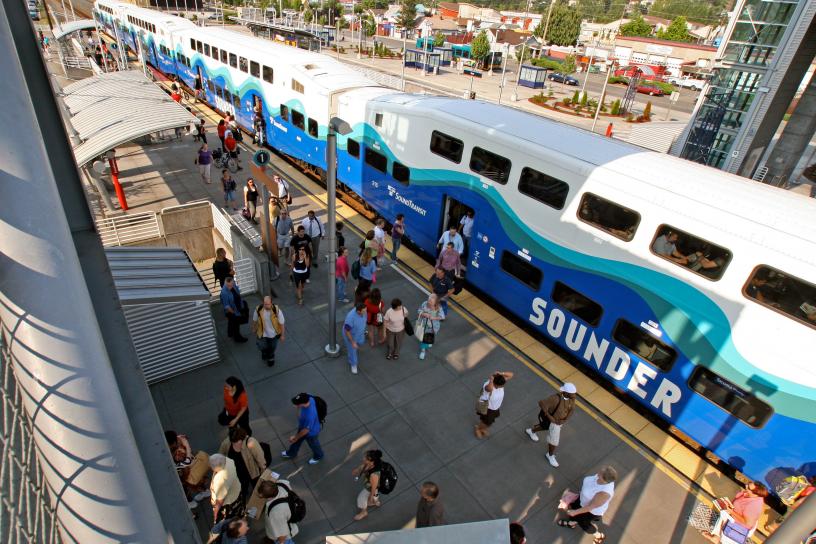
269	329
452	236
314	229
276	512
467	228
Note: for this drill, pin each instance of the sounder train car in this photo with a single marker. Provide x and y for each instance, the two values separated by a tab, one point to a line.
688	289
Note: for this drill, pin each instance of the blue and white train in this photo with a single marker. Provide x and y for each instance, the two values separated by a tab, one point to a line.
690	290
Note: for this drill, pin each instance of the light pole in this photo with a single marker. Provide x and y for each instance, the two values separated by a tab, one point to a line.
404	51
504	70
609	65
336	125
523	46
586	76
427	27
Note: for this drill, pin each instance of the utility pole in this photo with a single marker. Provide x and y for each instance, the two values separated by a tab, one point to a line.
586	76
547	23
514	97
404	51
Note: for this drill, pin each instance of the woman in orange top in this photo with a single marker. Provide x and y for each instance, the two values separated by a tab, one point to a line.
375	310
236	405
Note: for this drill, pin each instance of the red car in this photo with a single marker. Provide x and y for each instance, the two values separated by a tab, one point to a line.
651	90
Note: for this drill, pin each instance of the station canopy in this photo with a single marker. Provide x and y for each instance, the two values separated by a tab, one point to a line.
73	26
111	109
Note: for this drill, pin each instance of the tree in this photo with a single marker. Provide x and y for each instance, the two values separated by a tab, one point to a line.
406	18
636	27
647	111
677	31
565	26
439	40
568	64
480	46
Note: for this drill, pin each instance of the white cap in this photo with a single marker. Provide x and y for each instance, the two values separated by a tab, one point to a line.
569	388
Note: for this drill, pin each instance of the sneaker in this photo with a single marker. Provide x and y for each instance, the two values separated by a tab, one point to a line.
533	436
307	280
192	505
285	455
354	370
422	354
313	461
346	301
551	459
201	496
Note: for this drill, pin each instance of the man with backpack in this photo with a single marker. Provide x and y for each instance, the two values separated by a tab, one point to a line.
309	425
270	326
282	512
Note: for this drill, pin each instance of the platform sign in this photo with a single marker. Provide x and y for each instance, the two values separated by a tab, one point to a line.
262	157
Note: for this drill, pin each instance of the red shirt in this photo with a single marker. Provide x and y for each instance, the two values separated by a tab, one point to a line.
341	268
221	130
176	96
233	407
372	310
749	508
230	143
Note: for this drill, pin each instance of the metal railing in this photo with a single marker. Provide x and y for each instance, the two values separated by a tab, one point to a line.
127	229
26	515
245	275
221	224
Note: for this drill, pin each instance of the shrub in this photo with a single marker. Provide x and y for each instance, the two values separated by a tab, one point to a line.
592	104
667	88
584	99
647	111
566	101
550	94
553	65
616	107
579	109
619	79
576	97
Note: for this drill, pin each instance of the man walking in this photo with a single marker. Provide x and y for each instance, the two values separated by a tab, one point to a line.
466	224
555	411
270	327
493	396
452	236
314	229
285	230
354	332
308	429
233	307
277	512
442	287
430	511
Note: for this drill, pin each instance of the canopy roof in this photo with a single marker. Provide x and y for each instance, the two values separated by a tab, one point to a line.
73	26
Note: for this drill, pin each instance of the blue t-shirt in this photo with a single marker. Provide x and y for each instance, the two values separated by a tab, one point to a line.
308	418
367	271
356	325
221	529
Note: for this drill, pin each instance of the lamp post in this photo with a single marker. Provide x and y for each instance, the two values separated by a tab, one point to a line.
404	51
514	97
609	65
336	125
589	65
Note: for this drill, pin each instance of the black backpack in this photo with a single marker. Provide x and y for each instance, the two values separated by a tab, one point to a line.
297	508
388	478
322	409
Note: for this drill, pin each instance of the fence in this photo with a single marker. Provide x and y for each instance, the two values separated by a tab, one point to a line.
127	229
26	515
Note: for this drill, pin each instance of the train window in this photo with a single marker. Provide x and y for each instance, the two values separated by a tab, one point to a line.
378	117
233	60
577	304
608	216
519	268
284	112
236	102
192	44
298	120
783	293
224	57
297	86
376	160
401	173
490	165
207	49
199	46
644	345
215	53
312	128
243	65
731	398
544	188
706	259
268	74
353	148
254	69
211	86
447	146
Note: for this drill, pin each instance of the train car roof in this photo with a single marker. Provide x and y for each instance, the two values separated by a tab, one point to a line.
157	17
772	207
325	71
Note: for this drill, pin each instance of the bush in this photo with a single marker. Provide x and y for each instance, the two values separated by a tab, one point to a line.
566	101
619	79
553	65
576	97
592	104
584	99
647	111
616	107
667	88
579	109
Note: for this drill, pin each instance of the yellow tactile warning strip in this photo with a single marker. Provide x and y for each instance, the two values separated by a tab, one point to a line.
661	449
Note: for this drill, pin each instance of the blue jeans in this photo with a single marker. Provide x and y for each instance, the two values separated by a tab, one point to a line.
340	287
267	347
314	443
352	353
443	304
396	243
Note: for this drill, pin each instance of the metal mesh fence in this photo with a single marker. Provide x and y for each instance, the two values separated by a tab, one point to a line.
26	516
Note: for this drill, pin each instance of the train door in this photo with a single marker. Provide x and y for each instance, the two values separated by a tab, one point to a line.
453	215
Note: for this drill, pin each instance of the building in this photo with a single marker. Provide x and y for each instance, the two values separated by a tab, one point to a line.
673	55
766	52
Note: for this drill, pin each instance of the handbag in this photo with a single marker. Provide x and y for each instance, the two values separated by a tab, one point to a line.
409	329
735	532
482	405
428	336
224	418
244	318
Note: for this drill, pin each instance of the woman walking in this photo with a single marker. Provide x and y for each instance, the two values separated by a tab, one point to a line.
220	130
397	232
379	240
491	398
369	246
394	328
369	470
247	455
427	327
368	271
597	491
236	405
222	267
301	264
229	185
204	161
251	199
341	274
375	317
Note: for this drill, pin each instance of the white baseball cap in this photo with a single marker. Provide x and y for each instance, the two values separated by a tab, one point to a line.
569	388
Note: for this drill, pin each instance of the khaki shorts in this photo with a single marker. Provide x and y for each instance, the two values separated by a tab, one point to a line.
554	434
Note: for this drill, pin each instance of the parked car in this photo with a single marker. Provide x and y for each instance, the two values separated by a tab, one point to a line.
688	83
563	78
651	90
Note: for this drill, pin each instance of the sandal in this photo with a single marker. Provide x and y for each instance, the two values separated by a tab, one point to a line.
388	356
566	523
599	539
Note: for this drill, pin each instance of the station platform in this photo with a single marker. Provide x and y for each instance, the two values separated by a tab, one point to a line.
420	413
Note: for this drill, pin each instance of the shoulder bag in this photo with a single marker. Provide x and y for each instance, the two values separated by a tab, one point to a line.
482	404
409	329
428	336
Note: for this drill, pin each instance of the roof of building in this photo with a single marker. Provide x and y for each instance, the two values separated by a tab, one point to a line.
438	23
452	6
152	275
666	42
111	109
73	26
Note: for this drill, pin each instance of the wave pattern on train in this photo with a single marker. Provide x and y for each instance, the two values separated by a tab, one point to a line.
689	289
